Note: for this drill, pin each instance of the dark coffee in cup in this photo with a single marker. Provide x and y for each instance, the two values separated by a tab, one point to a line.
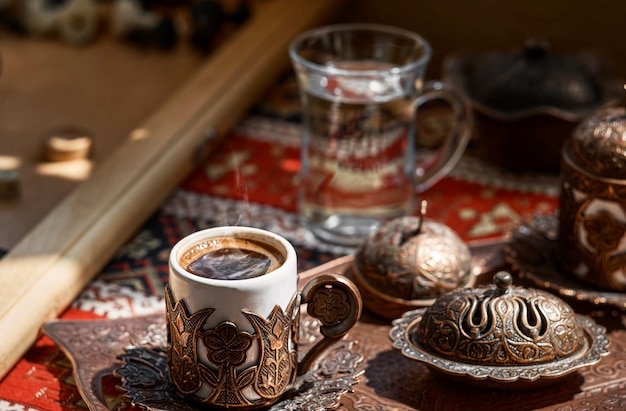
232	258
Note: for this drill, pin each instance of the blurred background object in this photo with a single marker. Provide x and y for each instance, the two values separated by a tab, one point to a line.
485	25
527	100
482	26
592	206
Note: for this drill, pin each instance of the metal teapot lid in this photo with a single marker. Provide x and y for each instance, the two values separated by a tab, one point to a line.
534	77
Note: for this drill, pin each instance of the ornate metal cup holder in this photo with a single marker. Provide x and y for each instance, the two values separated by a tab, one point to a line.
493	376
144	375
135	350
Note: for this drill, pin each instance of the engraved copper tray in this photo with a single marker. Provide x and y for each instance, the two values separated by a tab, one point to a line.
390	381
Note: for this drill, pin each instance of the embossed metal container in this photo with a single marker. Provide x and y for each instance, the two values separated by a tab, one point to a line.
407	263
500	334
527	101
592	216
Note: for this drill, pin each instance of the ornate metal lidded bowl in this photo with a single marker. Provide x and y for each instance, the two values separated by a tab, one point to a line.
592	214
500	334
527	101
407	263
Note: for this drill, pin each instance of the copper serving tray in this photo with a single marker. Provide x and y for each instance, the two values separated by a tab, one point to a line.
389	381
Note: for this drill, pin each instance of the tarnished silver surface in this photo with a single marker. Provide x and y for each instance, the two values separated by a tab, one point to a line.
592	202
228	367
403	335
92	345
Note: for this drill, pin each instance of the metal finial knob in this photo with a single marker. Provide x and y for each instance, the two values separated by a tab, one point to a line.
503	281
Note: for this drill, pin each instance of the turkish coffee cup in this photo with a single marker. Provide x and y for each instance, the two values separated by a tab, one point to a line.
232	313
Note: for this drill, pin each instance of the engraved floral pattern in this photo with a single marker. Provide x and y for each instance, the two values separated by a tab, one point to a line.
181	330
604	233
226	345
342	363
330	305
590	231
519	327
227	348
145	382
233	378
278	358
412	258
403	336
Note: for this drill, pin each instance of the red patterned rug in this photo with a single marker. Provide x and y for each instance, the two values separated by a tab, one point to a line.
251	180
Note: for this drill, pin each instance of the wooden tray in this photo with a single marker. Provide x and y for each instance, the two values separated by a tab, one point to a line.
44	272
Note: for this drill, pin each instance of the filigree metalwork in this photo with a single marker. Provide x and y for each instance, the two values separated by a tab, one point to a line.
144	375
501	325
407	263
182	331
250	370
278	361
330	305
145	370
227	349
592	226
411	259
336	302
403	335
233	379
598	145
390	381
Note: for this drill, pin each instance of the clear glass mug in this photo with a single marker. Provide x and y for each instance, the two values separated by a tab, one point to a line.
361	86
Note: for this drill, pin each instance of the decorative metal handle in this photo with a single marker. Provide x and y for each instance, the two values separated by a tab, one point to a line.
336	302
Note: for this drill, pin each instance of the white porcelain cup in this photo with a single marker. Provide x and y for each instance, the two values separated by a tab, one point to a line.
232	343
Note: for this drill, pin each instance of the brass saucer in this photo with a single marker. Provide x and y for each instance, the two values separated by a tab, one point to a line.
532	253
596	345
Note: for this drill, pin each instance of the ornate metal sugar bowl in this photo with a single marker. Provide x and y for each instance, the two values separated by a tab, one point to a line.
527	101
407	263
592	215
500	334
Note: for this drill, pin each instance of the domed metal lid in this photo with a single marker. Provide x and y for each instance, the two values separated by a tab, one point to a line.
532	80
598	144
500	336
501	324
532	77
407	263
410	258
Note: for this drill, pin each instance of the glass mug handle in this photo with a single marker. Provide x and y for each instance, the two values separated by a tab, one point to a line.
440	163
336	302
